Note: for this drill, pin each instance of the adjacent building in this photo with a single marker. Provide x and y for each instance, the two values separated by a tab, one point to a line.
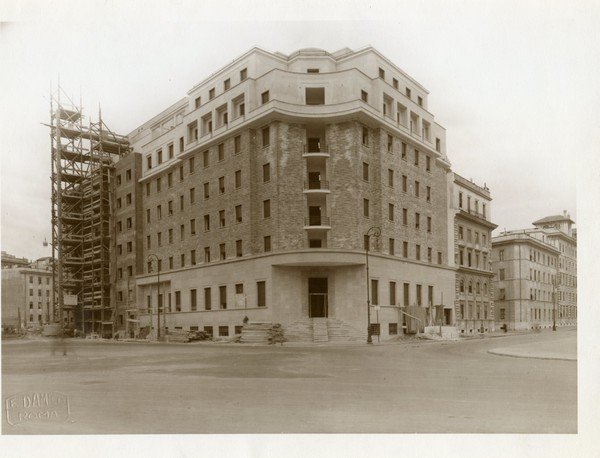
27	300
474	299
535	275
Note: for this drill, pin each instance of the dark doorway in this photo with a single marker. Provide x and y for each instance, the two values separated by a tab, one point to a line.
314	216
447	316
314	145
317	297
314	180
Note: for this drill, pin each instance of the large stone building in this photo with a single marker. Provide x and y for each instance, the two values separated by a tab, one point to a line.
254	193
536	275
473	243
27	300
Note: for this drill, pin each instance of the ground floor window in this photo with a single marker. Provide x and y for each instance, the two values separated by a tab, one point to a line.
393	328
208	330
223	331
238	329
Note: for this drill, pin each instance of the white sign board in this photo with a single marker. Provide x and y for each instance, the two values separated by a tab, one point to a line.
70	299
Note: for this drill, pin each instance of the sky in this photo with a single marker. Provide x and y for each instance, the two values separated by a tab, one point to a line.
513	83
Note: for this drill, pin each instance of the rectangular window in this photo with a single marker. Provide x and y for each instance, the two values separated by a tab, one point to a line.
404	183
267	243
226	84
238	248
391	249
223	297
266	208
366	208
395	83
237	144
264	97
420	100
207	254
221	185
408	93
149	162
418	252
158	184
243	74
428	163
390	178
374	292
391	212
364	95
266	136
417	220
404	150
390	143
207	222
417	189
429	224
405	216
238	213
406	294
365	169
193	226
223	331
159	156
315	95
207	299
381	73
266	171
238	179
171	152
211	94
261	294
417	158
365	136
221	218
222	252
501	274
439	256
392	293
193	304
419	296
429	254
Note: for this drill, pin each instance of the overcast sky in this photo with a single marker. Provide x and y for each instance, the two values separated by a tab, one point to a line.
514	84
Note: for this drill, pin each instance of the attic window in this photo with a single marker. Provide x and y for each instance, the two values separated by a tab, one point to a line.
315	96
312	70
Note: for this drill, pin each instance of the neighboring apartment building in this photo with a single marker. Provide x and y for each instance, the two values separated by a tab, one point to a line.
257	190
536	275
473	243
27	300
10	261
560	231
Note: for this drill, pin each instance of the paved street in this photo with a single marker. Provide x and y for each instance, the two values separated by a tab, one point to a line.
414	387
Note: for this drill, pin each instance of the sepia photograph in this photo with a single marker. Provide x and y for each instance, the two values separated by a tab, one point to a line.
296	223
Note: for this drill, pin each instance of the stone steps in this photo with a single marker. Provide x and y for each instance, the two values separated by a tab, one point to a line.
255	332
320	332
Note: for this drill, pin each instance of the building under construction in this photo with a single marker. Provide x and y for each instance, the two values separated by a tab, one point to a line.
84	155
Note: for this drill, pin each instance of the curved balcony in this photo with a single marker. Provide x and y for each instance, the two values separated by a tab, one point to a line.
315	151
316	186
317	223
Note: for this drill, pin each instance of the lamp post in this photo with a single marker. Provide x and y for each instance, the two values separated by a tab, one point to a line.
375	231
158	304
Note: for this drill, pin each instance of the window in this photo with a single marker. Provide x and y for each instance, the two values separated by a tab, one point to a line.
243	74
266	208
266	134
365	168
391	212
193	226
366	241
419	296
205	158
206	190
221	185
182	231
261	296
221	218
193	304
267	243
381	73
429	254
207	254
237	144
418	252
238	179
364	95
119	202
220	152
315	95
390	178
405	249
428	195
238	213
365	136
405	216
223	297
149	162
429	224
404	150
118	180
158	184
420	100
226	84
390	143
408	93
197	102
417	158
404	183
207	222
170	262
266	172
501	255
395	83
392	293
428	163
147	189
502	294
264	97
417	189
148	242
239	288
222	252
192	195
191	163
374	292
159	239
159	156
391	247
366	208
170	207
238	248
192	131
207	299
439	257
406	294
501	274
211	94
417	220
171	153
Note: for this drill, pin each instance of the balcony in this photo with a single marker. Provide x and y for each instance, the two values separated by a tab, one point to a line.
317	222
315	151
315	186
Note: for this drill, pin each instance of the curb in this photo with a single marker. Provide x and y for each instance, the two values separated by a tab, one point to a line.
499	352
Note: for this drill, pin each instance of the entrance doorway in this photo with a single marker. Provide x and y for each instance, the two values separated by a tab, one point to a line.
317	297
447	316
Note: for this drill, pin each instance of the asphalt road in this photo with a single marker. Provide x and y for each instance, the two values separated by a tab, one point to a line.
415	387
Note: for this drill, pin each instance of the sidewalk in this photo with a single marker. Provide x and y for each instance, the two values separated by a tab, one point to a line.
563	349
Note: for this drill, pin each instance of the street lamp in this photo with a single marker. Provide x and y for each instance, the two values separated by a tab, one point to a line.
150	257
375	231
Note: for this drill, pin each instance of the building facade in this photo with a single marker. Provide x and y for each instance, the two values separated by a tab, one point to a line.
474	298
257	189
27	300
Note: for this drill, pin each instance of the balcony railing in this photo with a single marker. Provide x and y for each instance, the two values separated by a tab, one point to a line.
317	221
316	184
315	149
